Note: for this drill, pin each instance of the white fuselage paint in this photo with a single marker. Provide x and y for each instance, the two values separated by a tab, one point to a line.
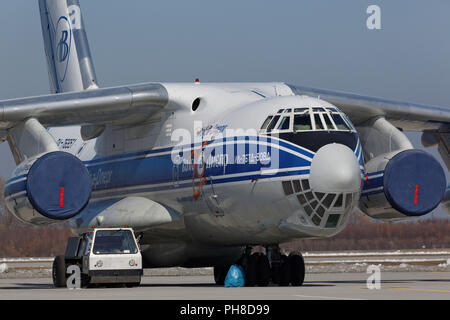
238	207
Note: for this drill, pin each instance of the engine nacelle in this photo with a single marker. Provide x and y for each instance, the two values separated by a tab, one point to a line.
48	188
410	183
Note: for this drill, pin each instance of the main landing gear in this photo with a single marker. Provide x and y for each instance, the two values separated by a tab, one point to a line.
273	267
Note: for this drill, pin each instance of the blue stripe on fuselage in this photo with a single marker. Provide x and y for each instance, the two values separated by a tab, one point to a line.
153	167
235	140
156	167
374	183
188	184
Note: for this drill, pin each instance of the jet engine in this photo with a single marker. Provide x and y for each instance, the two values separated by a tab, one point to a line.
48	188
400	182
411	183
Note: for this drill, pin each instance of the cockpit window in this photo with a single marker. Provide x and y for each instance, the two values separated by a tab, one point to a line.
349	123
307	119
328	123
284	123
318	122
302	122
266	122
273	123
339	122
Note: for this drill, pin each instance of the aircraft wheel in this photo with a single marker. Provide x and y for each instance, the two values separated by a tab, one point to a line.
275	271
220	273
251	271
262	270
298	269
285	277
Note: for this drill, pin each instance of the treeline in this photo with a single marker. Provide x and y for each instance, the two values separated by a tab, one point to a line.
18	239
22	240
29	241
365	234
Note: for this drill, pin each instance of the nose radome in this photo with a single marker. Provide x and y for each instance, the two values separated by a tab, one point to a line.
335	169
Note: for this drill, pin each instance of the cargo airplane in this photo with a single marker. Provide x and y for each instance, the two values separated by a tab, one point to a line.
206	172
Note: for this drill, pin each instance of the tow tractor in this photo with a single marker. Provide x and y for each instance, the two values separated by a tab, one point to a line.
103	256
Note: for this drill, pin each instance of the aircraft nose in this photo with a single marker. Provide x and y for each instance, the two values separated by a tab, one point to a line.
334	169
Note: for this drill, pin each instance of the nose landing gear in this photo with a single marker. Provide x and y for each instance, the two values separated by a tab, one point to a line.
286	270
273	267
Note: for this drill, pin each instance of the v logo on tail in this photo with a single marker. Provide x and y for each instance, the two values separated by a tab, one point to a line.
68	56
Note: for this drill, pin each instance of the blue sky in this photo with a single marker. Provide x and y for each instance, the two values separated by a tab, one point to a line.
317	43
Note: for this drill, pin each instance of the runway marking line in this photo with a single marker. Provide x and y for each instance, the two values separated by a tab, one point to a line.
410	289
324	297
422	290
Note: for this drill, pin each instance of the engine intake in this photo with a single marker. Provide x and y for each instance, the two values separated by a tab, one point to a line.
53	187
413	184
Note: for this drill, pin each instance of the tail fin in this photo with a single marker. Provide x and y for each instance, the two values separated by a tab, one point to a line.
70	65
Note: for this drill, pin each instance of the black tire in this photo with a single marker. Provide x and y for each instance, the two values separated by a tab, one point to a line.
251	271
275	271
298	269
262	270
85	281
220	273
59	272
285	272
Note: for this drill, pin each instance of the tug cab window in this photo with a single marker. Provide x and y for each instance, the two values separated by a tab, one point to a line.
307	119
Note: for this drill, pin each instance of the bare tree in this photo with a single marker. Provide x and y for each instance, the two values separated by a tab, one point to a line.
7	219
18	239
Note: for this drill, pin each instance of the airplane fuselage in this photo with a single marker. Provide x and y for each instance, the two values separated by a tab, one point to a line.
224	177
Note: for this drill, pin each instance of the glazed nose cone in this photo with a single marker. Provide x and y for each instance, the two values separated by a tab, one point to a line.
335	169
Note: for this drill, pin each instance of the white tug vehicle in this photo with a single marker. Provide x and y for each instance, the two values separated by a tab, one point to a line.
103	256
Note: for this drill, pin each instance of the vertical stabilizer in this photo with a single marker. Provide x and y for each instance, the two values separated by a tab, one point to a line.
69	59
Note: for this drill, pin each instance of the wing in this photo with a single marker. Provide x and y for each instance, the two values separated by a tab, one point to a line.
405	115
433	121
119	105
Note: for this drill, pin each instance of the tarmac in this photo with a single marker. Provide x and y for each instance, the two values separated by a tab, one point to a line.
319	286
348	275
